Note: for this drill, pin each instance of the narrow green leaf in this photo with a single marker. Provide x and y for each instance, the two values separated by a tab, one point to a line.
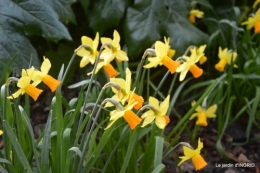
158	150
158	168
45	162
17	147
31	134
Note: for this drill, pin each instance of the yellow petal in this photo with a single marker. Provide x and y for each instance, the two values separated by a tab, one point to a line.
95	42
84	61
121	55
160	122
106	40
83	52
107	55
147	114
1	132
46	65
16	94
164	106
128	80
154	102
160	49
23	82
87	41
148	118
211	110
193	115
183	74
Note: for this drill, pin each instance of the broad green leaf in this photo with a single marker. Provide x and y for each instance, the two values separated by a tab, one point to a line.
14	44
19	18
63	9
34	18
107	14
148	21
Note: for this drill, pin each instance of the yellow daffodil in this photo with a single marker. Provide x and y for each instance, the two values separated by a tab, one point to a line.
162	57
88	56
130	117
108	68
125	93
24	83
161	120
203	114
110	53
255	3
226	57
194	155
1	132
42	76
194	14
253	22
190	65
200	52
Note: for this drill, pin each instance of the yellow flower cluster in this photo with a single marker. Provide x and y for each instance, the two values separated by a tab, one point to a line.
125	94
32	77
88	52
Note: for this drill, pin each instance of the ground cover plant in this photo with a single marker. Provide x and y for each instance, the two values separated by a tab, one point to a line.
157	86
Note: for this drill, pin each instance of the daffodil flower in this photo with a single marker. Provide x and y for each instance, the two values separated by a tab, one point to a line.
253	22
226	57
88	56
194	14
42	76
162	57
203	114
255	3
190	65
200	52
1	132
110	53
194	155
125	93
158	113
24	83
129	116
108	68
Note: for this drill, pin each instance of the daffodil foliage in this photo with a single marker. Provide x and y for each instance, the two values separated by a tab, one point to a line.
21	18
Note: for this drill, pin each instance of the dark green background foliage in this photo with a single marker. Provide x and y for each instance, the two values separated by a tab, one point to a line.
53	28
32	29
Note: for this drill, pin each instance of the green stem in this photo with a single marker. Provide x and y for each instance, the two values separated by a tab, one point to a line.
161	83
